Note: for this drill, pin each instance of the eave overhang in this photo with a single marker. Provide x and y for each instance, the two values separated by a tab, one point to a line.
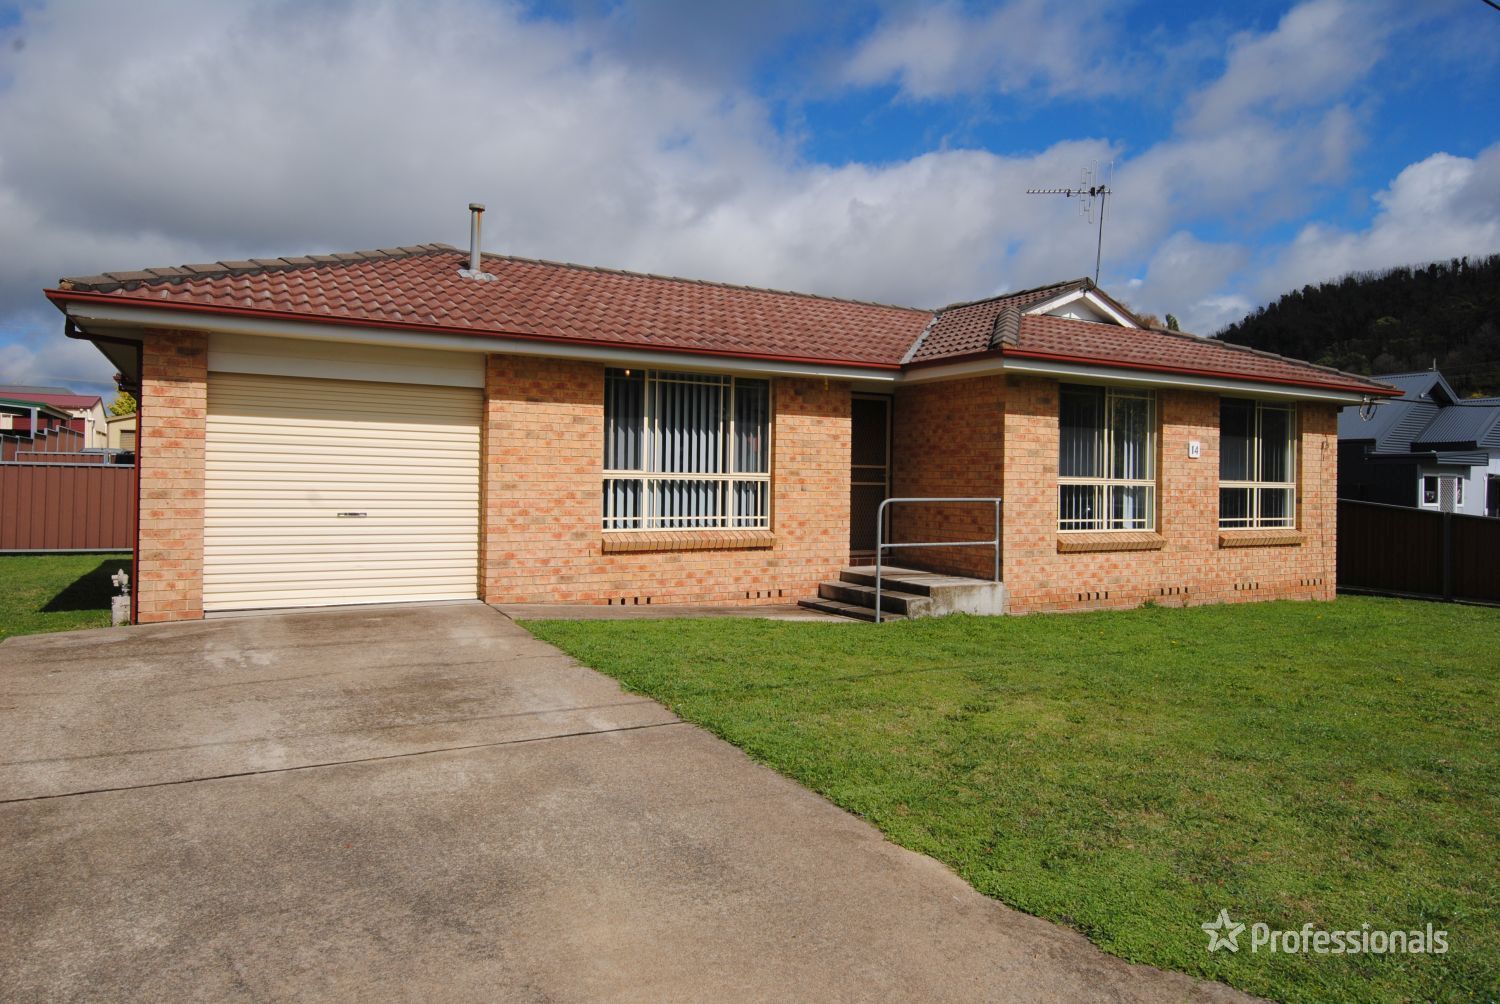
106	316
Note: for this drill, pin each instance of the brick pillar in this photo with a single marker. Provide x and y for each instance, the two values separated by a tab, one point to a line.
1317	492
173	408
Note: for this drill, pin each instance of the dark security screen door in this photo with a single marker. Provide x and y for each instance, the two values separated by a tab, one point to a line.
870	470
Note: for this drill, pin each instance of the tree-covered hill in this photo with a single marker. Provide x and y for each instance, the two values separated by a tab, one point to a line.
1392	322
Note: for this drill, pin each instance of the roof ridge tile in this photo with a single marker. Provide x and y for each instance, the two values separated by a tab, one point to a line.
106	282
1067	284
916	346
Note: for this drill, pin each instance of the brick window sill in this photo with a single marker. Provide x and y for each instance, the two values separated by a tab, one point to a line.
635	541
1115	540
1261	538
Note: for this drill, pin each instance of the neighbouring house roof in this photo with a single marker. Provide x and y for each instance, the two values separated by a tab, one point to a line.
13	405
21	390
1462	423
57	397
1423	385
419	287
1429	420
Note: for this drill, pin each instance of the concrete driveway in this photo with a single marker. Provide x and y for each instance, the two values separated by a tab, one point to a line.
426	803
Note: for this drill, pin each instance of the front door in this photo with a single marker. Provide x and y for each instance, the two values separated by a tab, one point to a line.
869	470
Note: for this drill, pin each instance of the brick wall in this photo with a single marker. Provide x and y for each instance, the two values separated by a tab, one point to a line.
173	405
1190	566
542	542
946	440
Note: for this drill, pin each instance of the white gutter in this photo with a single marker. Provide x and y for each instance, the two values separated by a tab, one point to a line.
109	315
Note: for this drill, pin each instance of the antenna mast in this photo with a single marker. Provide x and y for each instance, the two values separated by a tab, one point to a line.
1089	191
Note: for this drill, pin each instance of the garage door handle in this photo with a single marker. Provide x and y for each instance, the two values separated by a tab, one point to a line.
353	515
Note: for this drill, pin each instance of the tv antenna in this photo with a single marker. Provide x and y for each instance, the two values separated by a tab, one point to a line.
1090	190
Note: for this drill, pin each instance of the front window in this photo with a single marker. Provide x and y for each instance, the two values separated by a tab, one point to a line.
1257	464
1430	491
1106	459
686	451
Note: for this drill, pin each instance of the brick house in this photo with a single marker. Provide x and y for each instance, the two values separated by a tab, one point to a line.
420	424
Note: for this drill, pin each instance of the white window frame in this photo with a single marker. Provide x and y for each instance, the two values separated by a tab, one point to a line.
1257	520
651	518
1105	486
1437	500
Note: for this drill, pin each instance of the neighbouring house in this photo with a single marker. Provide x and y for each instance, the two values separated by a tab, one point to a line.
421	424
1427	449
86	409
121	432
58	493
23	417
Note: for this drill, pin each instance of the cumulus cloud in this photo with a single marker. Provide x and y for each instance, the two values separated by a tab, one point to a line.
1440	207
1181	275
1319	48
277	128
273	127
1020	45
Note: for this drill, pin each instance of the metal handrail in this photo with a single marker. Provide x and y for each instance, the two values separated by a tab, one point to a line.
880	545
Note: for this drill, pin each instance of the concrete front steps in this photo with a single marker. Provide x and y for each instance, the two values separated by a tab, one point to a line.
906	593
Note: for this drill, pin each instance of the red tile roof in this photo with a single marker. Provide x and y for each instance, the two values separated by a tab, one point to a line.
419	287
1061	339
966	328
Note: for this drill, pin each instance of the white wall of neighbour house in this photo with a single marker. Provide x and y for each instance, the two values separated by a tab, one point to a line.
1482	476
1475	482
95	426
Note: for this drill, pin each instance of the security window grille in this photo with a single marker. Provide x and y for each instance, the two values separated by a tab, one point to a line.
1106	459
1257	464
686	451
1445	493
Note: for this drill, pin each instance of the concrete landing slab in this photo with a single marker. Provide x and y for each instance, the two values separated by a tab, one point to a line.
598	612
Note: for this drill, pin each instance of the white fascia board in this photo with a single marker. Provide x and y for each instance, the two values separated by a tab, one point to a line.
1120	376
110	315
1094	300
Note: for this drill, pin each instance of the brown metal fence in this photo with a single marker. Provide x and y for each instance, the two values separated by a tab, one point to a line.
1417	552
66	507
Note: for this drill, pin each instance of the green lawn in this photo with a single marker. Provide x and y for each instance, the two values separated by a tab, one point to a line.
1131	774
56	592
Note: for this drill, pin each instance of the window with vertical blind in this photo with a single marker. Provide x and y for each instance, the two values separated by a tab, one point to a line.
686	451
1257	464
1106	461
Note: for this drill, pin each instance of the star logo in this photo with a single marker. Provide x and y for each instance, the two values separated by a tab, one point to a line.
1222	932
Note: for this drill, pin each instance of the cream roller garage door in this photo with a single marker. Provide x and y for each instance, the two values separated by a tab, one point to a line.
321	492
